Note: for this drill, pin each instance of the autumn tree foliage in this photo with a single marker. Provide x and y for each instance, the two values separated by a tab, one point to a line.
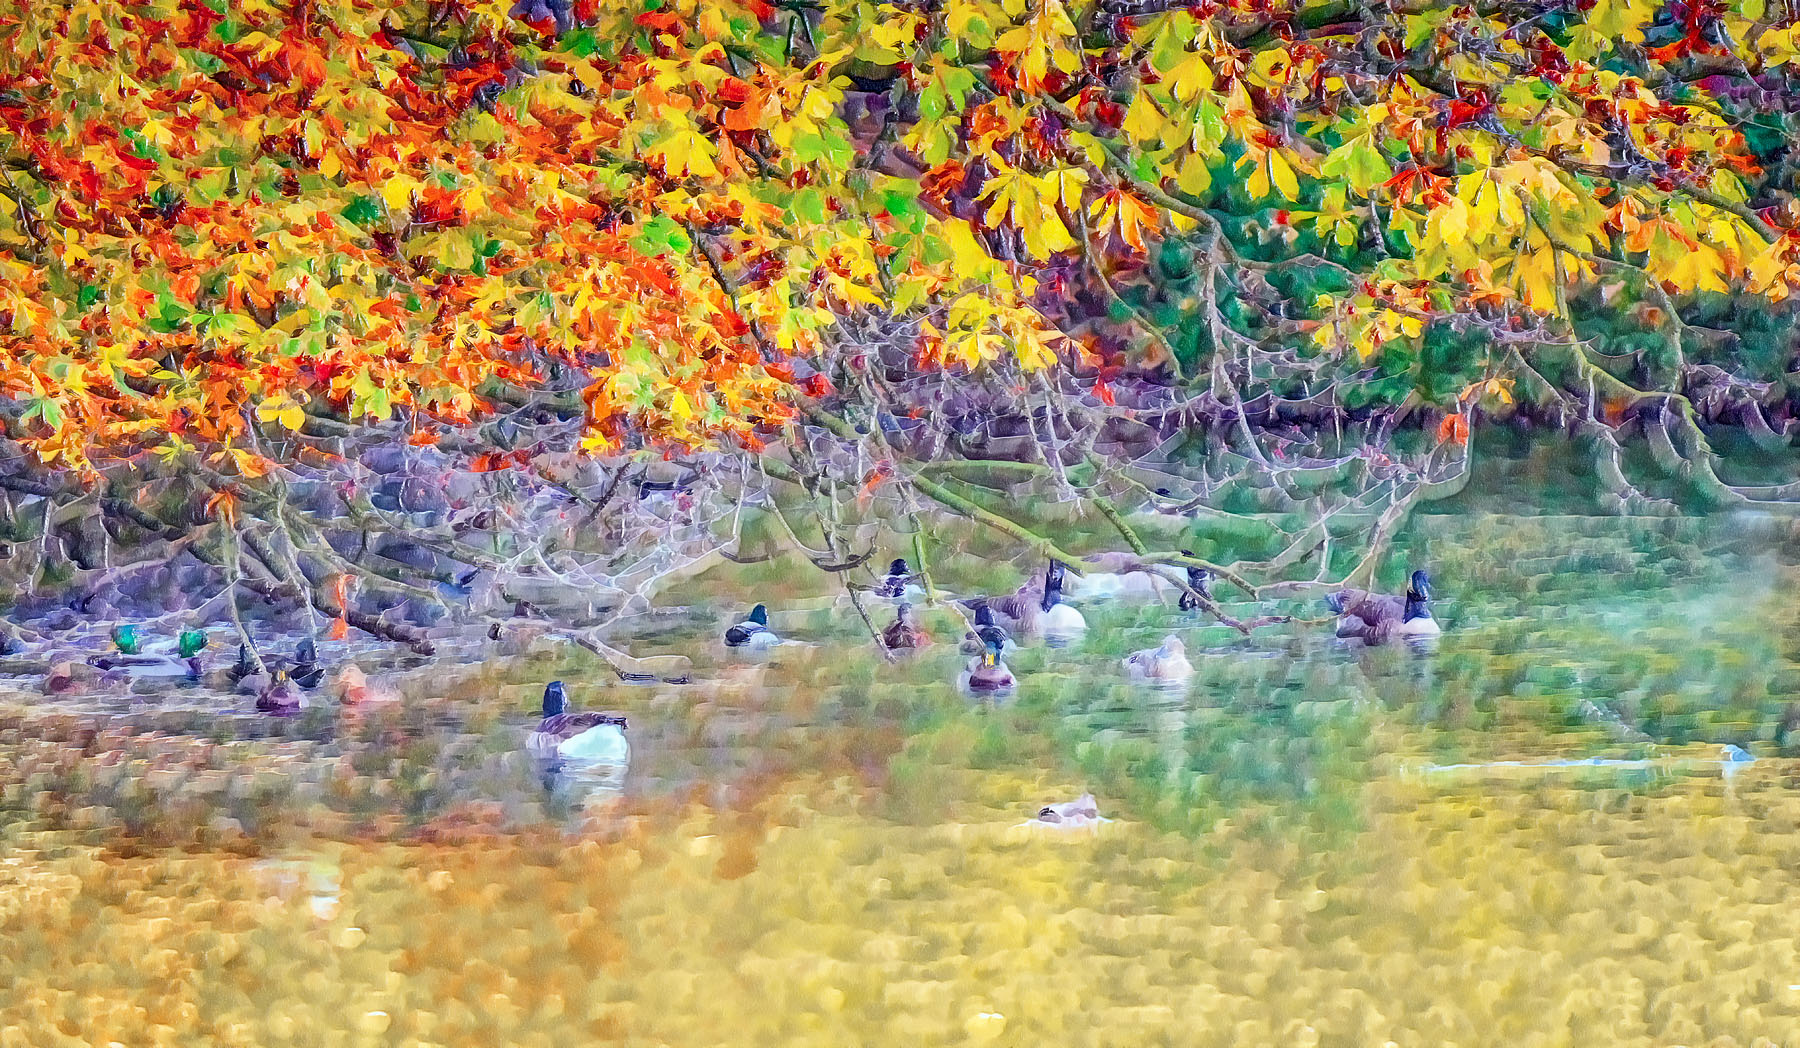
846	241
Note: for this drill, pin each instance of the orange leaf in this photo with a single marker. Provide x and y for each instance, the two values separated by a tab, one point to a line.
1454	429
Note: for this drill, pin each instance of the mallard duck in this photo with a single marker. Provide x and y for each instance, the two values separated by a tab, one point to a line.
1164	663
986	673
279	696
904	633
1058	617
1374	617
898	582
1200	581
188	646
753	632
306	670
986	631
594	737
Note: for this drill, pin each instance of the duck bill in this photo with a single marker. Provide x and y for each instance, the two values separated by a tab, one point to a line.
988	658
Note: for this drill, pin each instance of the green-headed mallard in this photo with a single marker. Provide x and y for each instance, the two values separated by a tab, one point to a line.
753	632
986	673
278	696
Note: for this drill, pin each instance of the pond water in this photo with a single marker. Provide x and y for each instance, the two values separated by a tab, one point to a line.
1308	843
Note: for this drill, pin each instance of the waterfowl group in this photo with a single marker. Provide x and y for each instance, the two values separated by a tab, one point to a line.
1374	617
1037	606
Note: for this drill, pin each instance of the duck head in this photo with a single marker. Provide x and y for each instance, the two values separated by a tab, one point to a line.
898	567
125	637
990	653
1053	584
759	615
191	643
555	698
904	615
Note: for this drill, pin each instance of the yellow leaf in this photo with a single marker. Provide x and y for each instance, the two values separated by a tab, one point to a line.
1282	174
397	193
330	165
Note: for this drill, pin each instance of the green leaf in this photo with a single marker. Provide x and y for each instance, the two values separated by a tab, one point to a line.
363	211
809	206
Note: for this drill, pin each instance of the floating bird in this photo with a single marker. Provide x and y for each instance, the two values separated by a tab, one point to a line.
895	584
753	632
1165	663
1200	581
306	671
188	646
1081	813
986	631
592	737
1058	617
279	696
904	633
1374	617
986	673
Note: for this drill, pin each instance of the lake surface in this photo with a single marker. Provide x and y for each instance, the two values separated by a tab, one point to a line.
1310	844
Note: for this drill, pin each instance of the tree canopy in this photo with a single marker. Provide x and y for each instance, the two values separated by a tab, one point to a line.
228	212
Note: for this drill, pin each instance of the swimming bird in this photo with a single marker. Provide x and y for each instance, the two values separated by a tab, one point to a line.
897	580
278	696
753	632
1200	581
306	671
1058	617
1374	617
904	633
585	736
188	646
986	673
1165	663
986	632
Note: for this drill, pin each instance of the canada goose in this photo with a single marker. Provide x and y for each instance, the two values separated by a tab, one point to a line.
1374	617
592	737
1058	617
